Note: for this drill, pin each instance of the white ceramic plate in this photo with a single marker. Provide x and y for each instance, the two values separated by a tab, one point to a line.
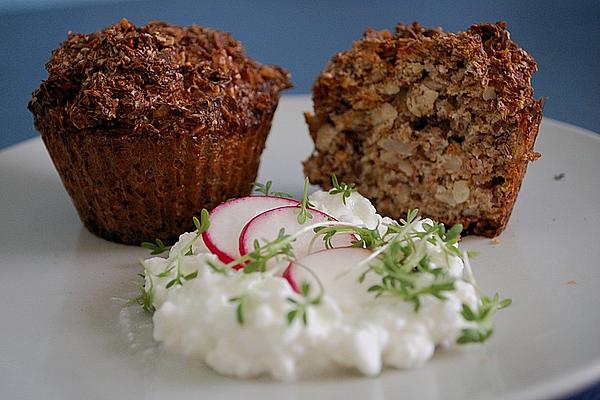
64	333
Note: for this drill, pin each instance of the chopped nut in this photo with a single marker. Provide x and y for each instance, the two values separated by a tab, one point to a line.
414	68
350	120
390	88
431	84
405	167
458	194
445	196
325	135
460	191
403	149
385	114
453	163
420	100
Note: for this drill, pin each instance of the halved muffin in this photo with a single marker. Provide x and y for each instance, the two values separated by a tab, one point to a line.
443	122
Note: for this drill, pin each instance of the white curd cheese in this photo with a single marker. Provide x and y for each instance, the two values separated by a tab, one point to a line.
200	319
356	209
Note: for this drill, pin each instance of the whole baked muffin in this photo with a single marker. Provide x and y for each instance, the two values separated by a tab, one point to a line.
421	118
148	125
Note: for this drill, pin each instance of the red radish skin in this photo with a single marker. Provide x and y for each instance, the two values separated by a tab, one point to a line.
266	226
221	255
289	276
326	264
229	218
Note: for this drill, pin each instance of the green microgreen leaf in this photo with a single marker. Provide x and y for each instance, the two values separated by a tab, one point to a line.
304	289
191	276
258	258
412	215
251	267
482	318
265	189
218	268
467	313
344	189
304	213
171	283
240	308
300	306
291	316
155	248
145	298
504	304
203	223
472	254
453	233
166	272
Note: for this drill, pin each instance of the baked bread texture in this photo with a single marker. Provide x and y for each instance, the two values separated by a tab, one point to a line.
443	122
148	125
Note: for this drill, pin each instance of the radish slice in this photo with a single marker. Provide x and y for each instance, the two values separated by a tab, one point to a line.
228	219
338	271
266	226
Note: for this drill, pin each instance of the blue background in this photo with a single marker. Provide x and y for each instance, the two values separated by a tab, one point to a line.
564	37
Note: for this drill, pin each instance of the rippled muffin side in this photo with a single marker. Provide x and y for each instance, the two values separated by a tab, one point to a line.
443	122
148	125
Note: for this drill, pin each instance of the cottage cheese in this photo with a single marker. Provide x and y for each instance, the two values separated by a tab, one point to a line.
198	319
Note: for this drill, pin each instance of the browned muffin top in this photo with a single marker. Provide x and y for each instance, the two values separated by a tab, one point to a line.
495	61
157	78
